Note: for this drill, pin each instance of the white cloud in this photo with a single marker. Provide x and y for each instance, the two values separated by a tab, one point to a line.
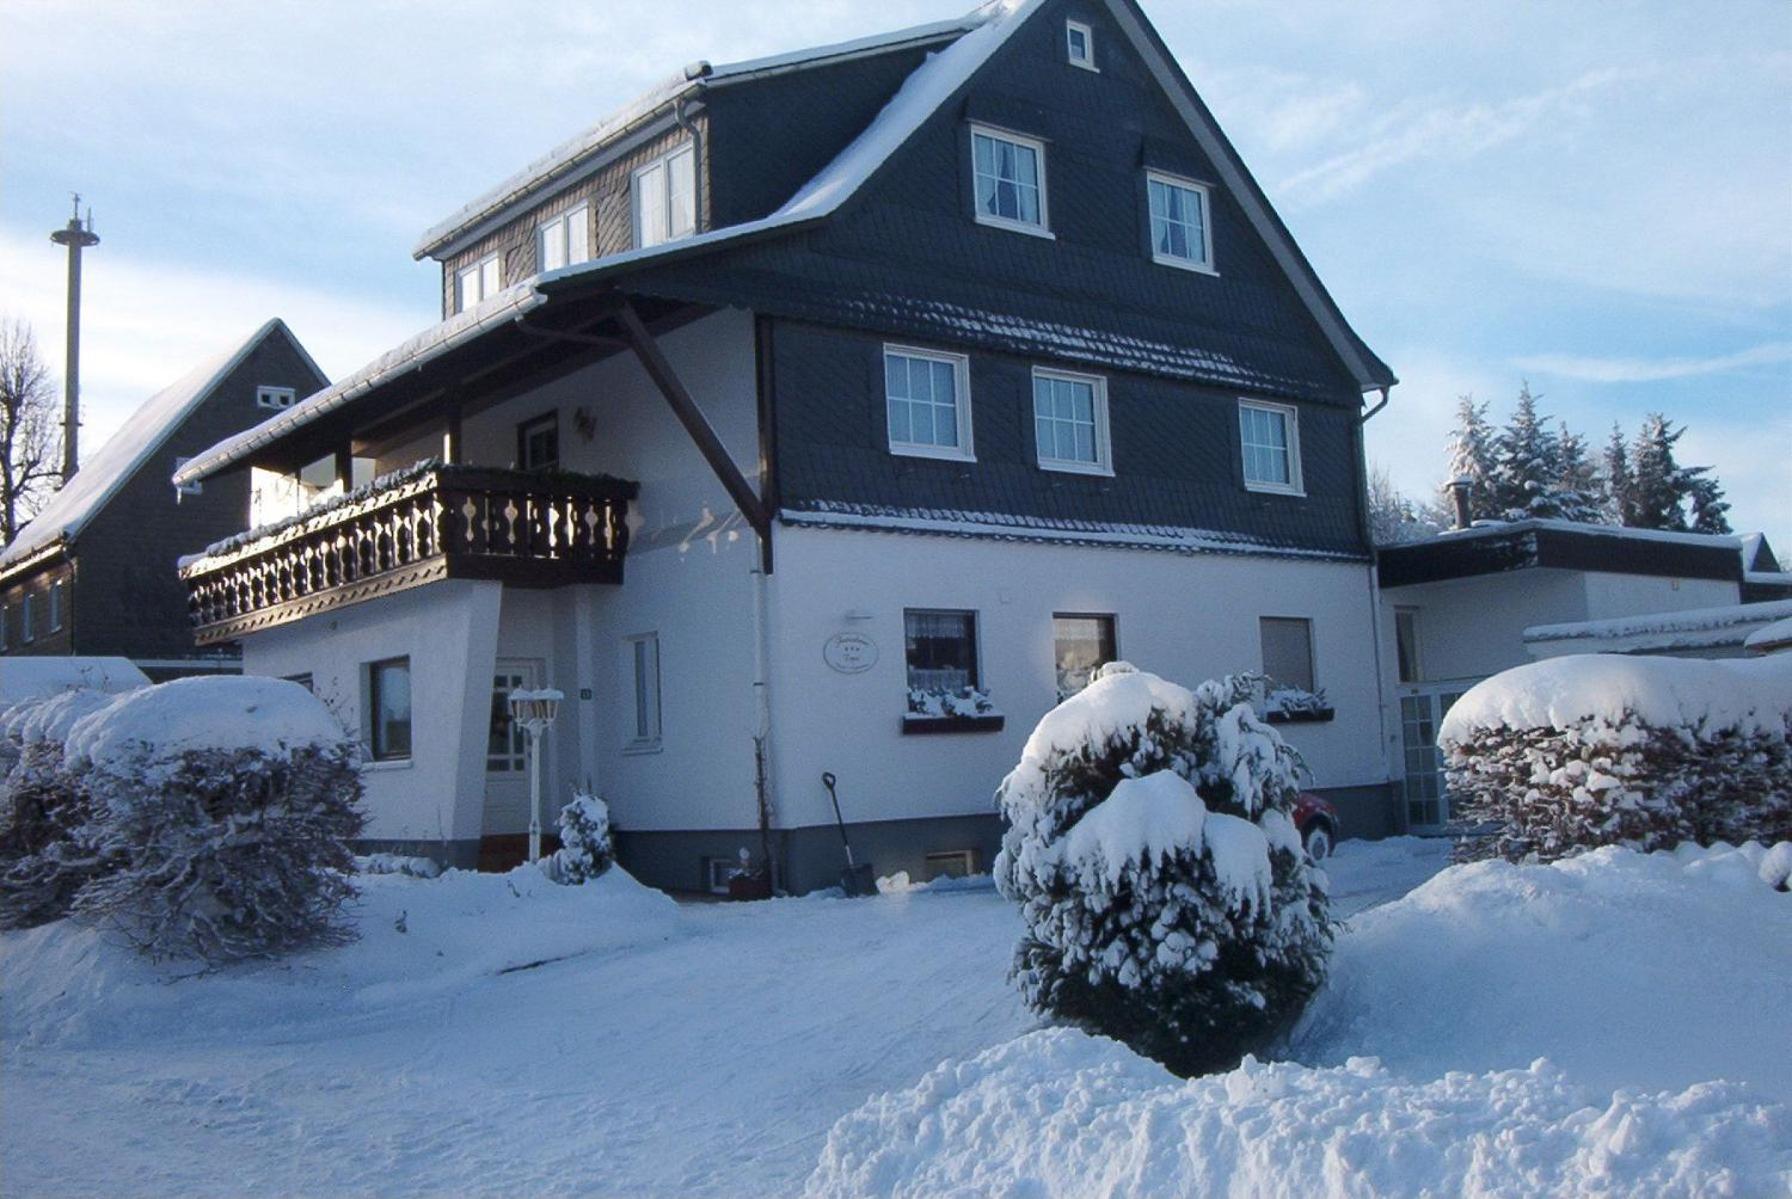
1649	370
146	323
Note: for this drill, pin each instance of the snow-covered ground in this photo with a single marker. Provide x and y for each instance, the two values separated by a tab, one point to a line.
713	1049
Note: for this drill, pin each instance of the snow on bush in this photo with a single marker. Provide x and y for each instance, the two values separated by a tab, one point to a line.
1058	1113
585	848
1574	752
1165	895
1656	971
222	810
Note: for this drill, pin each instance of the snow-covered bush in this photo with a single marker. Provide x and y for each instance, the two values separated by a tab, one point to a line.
585	847
42	864
940	701
1563	755
1166	898
224	809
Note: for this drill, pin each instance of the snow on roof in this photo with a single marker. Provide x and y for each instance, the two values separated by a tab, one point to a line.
564	158
420	348
1692	628
1701	696
1769	638
127	450
1504	528
23	678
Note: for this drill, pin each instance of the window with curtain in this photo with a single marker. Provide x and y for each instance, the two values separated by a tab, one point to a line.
1082	642
1287	651
1009	175
941	647
1270	437
1180	234
1070	420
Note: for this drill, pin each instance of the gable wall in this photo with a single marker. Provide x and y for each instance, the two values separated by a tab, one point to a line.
128	598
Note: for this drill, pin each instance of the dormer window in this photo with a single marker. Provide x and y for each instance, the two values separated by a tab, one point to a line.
1009	173
1181	234
274	397
665	198
481	281
565	240
1079	44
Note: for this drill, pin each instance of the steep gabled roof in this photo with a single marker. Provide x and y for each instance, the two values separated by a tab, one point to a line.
129	449
564	164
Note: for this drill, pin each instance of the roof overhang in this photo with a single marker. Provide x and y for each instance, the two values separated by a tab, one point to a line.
1560	545
29	564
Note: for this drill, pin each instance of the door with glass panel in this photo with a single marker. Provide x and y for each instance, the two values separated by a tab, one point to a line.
507	752
1421	712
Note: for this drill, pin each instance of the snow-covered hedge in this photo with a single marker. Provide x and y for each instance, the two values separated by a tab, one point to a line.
585	848
1570	753
1166	897
206	818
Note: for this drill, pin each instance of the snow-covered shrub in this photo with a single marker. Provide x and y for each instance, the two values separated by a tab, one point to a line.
225	808
1296	702
1166	898
42	864
1570	753
585	847
940	701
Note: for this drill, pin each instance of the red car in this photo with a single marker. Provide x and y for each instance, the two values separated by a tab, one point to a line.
1317	822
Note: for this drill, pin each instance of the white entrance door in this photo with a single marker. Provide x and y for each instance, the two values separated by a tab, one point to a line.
1422	709
507	752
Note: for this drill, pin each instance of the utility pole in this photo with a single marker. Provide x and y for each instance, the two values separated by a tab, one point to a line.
77	236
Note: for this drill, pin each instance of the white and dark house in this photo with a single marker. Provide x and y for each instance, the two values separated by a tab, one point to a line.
837	411
93	573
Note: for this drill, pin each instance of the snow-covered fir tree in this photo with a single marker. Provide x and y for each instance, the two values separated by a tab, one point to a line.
1166	898
1472	457
1527	464
1620	488
1580	491
1708	503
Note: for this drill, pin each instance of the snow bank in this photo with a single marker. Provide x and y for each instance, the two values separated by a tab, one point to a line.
1060	1113
420	939
1705	697
51	719
222	713
37	678
1653	970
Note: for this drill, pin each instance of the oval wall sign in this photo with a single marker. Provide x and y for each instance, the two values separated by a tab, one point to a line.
850	653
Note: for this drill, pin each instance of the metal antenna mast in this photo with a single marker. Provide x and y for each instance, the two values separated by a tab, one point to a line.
77	235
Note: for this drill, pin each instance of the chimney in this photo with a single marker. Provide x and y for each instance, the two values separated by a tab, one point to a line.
1459	499
77	236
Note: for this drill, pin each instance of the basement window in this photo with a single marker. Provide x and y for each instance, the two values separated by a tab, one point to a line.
665	198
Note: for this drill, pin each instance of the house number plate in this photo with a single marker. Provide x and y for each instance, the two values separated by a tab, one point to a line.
850	653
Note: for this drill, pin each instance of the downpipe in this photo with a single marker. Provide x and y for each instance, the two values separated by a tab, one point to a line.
1368	535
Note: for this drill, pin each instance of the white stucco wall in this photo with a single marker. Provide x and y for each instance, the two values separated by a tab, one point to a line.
449	632
1187	618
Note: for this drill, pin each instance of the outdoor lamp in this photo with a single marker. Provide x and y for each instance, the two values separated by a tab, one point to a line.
535	711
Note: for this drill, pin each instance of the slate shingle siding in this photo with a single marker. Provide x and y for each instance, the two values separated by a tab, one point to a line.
1176	454
608	191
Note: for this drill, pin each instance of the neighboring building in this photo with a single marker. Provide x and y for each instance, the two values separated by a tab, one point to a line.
1692	633
1463	605
1775	638
829	412
1762	576
94	571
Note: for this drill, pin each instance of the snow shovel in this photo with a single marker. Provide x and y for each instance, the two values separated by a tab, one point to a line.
858	878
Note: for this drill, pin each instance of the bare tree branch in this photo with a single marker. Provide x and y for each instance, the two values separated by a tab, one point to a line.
30	448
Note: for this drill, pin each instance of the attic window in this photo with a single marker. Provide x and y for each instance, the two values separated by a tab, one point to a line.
1181	234
481	281
665	198
1009	173
1079	43
274	397
565	240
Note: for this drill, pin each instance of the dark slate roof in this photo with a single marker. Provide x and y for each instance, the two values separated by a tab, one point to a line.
1493	548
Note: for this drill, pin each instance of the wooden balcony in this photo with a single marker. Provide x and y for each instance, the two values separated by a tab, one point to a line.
443	522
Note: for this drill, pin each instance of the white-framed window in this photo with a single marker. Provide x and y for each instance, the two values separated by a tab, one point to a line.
1287	644
387	685
507	741
1070	421
27	621
565	240
269	396
1079	45
480	281
56	606
1406	645
1008	174
665	198
641	671
1181	231
927	400
1270	436
194	488
940	648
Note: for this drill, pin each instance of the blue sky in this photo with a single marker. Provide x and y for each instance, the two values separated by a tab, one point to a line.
1594	197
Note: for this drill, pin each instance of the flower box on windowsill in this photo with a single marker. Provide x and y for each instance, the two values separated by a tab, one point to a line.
1303	716
987	722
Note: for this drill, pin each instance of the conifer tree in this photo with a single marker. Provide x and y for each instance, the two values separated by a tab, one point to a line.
1620	488
1526	464
1708	503
1471	456
1580	491
1657	482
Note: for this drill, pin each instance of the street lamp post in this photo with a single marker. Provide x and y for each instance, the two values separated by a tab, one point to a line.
535	711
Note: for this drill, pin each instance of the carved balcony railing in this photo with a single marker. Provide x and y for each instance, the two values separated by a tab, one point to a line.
439	522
